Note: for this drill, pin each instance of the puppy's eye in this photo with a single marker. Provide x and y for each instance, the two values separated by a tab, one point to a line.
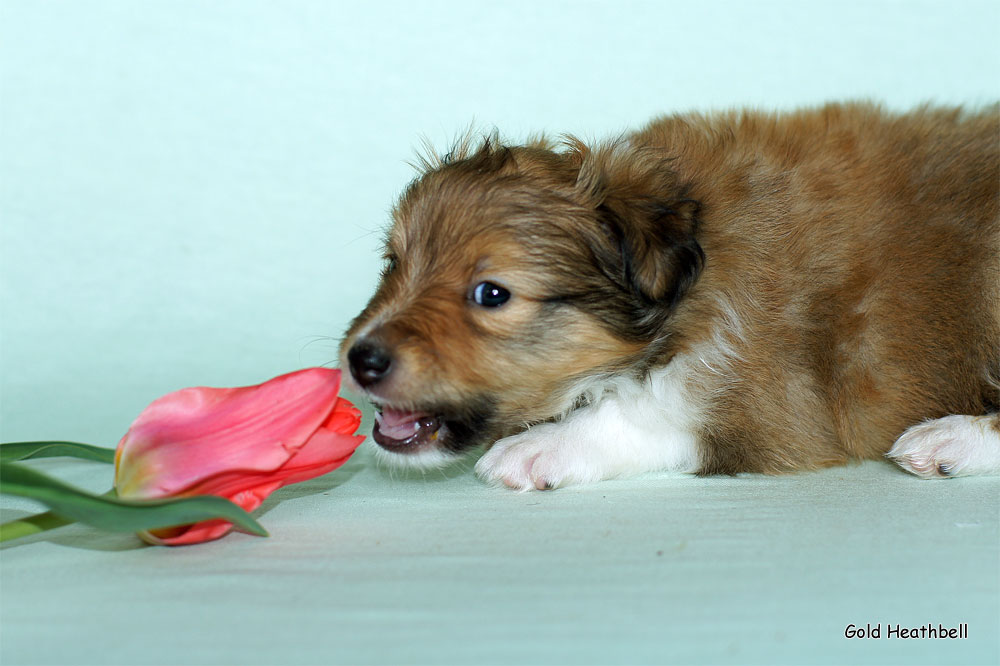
490	295
391	263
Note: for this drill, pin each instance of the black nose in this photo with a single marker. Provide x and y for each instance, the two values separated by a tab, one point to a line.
369	363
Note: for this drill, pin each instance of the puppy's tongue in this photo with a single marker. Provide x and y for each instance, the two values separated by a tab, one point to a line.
398	424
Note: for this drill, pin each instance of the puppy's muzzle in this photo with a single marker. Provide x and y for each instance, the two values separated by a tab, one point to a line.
398	430
370	363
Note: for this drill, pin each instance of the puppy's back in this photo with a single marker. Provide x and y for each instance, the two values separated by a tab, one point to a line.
857	253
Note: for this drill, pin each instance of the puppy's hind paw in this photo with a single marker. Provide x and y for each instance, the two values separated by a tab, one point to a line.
955	445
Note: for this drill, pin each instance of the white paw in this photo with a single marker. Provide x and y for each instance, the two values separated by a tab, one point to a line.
542	458
950	446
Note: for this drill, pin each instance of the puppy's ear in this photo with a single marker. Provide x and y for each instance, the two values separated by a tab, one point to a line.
659	255
647	222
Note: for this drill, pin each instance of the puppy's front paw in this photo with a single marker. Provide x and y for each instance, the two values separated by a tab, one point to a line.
950	446
541	458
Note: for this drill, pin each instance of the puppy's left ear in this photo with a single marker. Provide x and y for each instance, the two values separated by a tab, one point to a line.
646	220
660	257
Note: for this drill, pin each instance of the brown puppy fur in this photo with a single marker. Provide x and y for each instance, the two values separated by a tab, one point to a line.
835	271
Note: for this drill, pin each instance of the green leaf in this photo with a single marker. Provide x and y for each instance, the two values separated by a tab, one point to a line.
23	450
117	514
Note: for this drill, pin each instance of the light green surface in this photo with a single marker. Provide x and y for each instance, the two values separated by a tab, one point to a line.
190	193
360	568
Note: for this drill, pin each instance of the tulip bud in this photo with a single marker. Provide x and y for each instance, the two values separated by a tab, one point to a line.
238	443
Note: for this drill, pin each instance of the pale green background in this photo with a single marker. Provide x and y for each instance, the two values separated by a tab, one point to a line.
192	193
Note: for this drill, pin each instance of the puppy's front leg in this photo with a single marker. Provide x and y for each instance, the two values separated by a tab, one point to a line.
612	438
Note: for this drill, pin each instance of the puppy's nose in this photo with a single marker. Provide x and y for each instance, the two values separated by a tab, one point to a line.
369	363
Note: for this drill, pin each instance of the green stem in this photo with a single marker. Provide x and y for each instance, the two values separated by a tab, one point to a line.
15	529
40	522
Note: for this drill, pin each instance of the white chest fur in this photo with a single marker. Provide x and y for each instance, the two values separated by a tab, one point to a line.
630	426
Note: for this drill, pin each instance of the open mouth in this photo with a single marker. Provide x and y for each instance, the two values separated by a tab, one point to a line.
403	431
447	431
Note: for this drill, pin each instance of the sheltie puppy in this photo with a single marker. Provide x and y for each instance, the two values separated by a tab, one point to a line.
716	294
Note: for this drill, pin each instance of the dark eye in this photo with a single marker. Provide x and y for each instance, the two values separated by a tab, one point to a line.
490	295
390	264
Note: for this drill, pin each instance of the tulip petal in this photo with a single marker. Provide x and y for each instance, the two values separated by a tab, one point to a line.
193	434
240	444
345	418
323	452
209	530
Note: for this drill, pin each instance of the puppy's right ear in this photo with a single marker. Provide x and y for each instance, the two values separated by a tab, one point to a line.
646	241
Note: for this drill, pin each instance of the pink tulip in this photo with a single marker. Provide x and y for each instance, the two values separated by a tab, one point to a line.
238	443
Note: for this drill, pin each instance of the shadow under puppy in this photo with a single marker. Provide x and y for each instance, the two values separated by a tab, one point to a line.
739	292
